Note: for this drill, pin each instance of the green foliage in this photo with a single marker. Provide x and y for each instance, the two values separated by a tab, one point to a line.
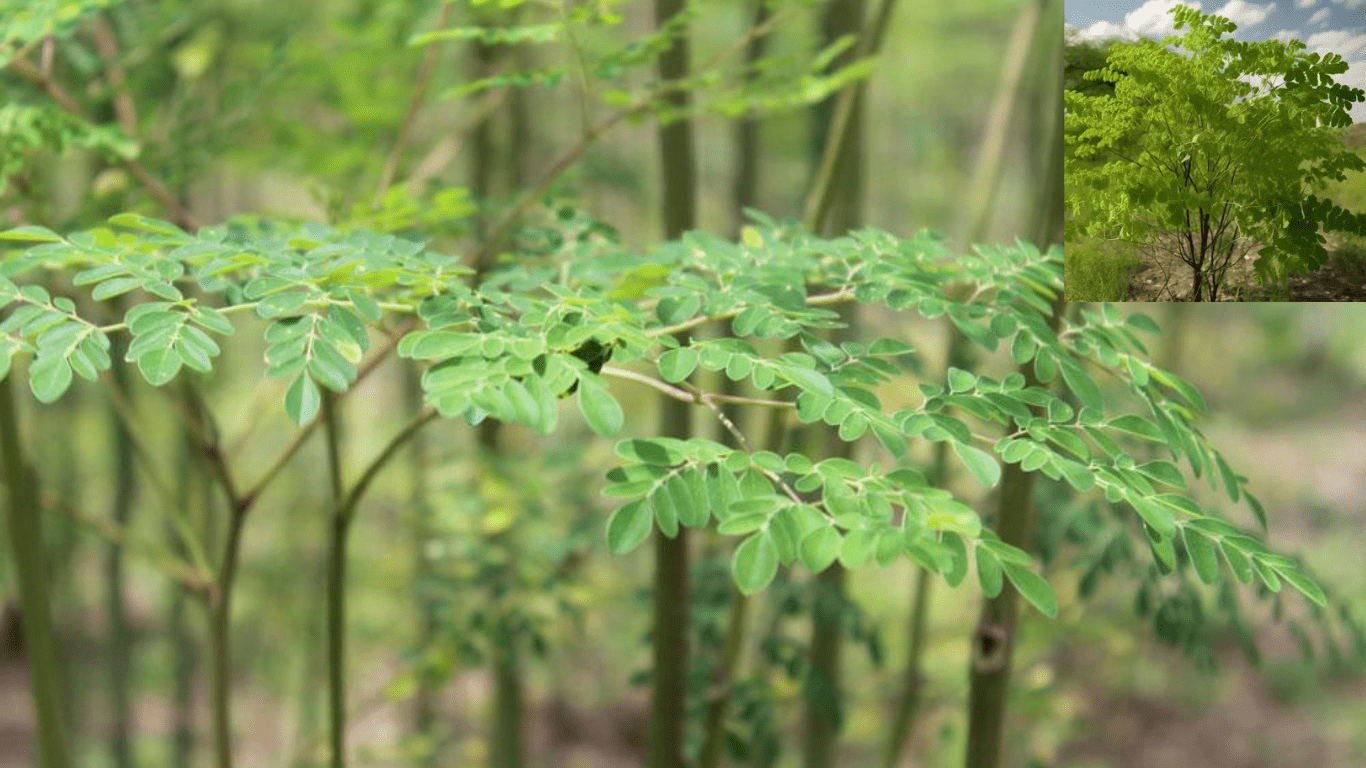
1185	146
509	347
772	84
1098	270
24	21
25	129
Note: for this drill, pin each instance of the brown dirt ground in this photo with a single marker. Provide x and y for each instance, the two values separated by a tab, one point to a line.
1164	277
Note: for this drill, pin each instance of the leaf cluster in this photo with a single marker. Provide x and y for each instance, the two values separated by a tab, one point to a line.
506	350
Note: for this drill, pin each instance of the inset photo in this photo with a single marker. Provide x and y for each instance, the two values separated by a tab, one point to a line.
1214	156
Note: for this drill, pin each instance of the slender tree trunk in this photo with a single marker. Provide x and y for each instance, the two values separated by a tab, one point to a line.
668	704
744	194
183	670
120	657
62	541
745	185
508	715
424	702
26	550
220	646
823	692
913	680
340	523
508	707
192	479
1046	130
993	640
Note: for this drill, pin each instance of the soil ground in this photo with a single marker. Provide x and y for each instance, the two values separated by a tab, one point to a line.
1164	277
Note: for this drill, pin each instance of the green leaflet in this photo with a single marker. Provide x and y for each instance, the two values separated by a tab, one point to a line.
754	563
1202	555
988	573
979	462
628	526
1081	384
1305	585
31	233
49	377
600	409
1033	588
819	548
302	400
678	364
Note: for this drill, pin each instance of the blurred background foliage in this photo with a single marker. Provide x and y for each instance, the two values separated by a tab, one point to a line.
288	109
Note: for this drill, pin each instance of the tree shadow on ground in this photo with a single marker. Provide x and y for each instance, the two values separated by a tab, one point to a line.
1163	276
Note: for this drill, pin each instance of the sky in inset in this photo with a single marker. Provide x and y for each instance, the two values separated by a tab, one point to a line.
1322	25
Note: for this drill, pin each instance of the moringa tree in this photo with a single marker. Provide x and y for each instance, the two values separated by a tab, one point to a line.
1189	147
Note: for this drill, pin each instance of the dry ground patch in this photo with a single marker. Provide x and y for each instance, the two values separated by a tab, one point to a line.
1163	276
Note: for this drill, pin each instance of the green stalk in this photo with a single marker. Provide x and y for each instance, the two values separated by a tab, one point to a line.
342	517
903	721
822	194
671	626
714	733
505	749
193	479
991	157
336	589
183	669
835	207
120	639
424	710
220	649
994	638
744	194
959	355
26	545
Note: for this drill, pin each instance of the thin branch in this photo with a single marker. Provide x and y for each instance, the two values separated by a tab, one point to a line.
591	134
694	396
529	198
123	411
838	297
730	425
116	534
710	400
183	218
821	197
649	381
424	79
348	507
107	43
302	434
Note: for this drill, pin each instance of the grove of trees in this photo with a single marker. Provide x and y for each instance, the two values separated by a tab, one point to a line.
353	351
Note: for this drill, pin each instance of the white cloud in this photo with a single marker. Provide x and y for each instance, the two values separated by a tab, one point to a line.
1153	19
1243	14
1339	41
1103	29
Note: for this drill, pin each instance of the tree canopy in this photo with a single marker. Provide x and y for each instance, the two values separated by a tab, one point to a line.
1188	146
